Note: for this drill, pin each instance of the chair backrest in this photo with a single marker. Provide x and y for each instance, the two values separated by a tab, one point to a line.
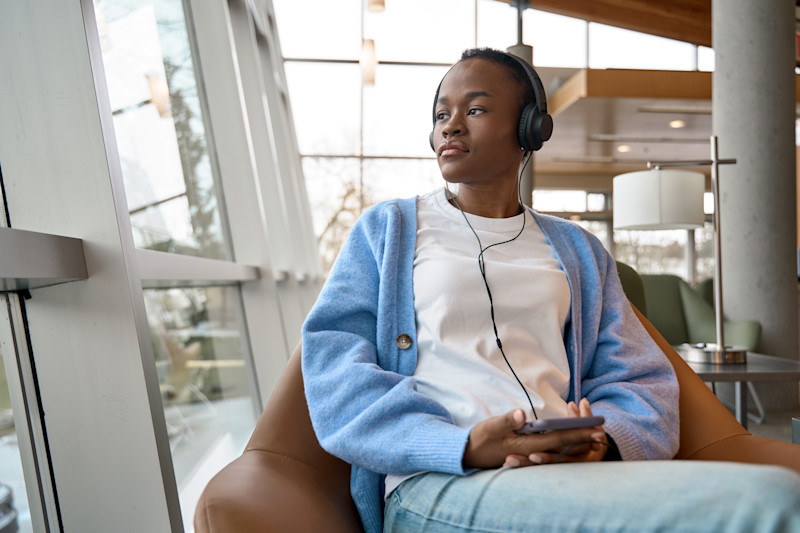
705	289
701	323
665	307
632	286
285	427
284	481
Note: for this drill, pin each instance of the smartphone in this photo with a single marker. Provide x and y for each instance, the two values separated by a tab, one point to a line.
555	424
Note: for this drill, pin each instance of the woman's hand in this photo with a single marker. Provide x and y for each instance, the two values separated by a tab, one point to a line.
493	442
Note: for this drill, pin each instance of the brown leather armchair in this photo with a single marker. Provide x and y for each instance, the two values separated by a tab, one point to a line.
285	482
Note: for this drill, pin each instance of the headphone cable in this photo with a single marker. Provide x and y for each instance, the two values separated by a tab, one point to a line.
482	267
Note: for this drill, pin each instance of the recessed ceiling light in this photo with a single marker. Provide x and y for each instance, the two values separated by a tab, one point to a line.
623	148
676	124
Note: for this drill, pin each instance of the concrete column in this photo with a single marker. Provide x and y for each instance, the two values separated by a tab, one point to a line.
753	116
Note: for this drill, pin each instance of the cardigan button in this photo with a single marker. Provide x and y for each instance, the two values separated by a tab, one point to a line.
403	342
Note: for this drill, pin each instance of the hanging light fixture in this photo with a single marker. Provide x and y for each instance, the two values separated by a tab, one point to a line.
368	62
376	6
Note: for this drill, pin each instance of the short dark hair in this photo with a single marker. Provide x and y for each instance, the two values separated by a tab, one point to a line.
511	64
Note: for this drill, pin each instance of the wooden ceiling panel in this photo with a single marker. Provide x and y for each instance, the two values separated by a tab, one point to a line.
683	20
596	111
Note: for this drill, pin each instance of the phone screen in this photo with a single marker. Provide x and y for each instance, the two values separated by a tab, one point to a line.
556	424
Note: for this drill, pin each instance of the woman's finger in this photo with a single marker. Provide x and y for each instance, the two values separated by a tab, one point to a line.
585	408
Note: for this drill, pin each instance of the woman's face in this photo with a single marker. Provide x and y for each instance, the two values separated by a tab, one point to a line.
476	124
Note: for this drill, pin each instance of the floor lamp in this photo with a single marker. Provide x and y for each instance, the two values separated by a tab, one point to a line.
673	199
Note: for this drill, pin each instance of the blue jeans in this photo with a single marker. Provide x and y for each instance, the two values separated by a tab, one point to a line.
687	496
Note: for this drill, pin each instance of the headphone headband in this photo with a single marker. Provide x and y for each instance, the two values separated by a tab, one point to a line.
535	125
536	83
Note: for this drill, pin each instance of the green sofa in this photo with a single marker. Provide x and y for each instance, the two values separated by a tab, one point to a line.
684	314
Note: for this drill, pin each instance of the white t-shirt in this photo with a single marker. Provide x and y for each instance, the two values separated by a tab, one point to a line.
459	363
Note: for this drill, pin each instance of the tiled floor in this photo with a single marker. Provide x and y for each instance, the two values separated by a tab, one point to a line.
777	425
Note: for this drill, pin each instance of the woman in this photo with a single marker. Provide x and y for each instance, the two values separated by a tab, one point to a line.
439	308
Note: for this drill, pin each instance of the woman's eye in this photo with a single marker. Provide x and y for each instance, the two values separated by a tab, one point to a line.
476	111
441	115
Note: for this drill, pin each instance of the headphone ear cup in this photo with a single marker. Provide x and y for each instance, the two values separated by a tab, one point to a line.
543	128
525	130
430	139
534	128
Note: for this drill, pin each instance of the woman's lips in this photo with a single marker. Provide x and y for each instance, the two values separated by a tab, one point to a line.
447	152
452	148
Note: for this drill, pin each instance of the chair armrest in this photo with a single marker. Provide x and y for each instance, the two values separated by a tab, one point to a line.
752	449
704	420
264	492
284	481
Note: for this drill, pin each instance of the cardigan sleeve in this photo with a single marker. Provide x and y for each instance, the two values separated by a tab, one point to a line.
627	378
363	410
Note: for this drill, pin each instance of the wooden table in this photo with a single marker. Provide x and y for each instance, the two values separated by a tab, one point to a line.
759	367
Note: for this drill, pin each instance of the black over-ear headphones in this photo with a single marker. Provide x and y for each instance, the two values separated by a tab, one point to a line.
535	125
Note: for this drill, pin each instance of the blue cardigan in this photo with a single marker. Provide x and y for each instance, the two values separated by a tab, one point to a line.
358	379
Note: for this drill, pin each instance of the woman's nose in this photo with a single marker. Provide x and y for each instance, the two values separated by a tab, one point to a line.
453	126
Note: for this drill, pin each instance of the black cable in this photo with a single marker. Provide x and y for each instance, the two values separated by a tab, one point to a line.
482	267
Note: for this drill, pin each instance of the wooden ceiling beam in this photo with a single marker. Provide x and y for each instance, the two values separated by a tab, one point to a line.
631	83
683	20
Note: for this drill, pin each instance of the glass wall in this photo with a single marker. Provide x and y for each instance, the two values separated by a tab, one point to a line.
160	128
168	159
664	252
13	497
362	144
618	48
201	359
142	134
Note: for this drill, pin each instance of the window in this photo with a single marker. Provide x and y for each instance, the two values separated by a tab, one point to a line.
201	360
13	496
328	121
168	166
398	111
364	144
617	48
554	201
441	29
320	28
557	41
664	252
160	128
146	124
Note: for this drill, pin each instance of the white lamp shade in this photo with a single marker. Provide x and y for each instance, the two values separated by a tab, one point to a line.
659	199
